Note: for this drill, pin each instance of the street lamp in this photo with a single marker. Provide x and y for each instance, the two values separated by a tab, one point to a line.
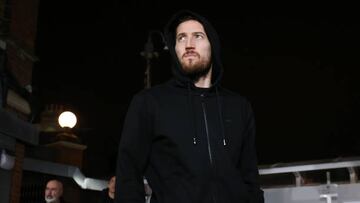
149	53
67	120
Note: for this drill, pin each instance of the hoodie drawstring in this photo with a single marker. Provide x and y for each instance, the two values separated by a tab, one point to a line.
220	116
191	111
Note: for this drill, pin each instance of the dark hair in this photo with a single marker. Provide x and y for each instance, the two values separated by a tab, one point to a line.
177	21
181	20
185	18
108	176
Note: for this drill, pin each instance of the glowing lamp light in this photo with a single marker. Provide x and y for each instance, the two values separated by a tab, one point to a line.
67	119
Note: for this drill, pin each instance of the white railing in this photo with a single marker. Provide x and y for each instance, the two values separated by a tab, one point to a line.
63	170
346	192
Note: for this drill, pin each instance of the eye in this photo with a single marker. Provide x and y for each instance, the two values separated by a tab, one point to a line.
199	36
181	38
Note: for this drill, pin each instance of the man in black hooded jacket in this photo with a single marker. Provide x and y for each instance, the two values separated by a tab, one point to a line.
191	138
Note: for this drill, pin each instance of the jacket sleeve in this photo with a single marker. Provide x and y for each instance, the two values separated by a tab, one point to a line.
248	159
134	147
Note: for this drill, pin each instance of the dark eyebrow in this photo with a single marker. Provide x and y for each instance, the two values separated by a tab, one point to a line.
196	33
180	34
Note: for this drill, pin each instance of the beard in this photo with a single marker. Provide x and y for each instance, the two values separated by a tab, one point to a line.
49	199
196	69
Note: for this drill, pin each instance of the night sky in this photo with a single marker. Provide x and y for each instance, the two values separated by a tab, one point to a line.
298	69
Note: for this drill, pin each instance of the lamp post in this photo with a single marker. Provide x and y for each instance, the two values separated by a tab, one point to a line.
149	53
67	120
67	146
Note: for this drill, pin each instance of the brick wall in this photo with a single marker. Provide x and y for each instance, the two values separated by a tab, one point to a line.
24	22
21	40
19	65
20	59
17	173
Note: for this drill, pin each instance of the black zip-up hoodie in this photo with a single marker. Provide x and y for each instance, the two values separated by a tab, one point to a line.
194	145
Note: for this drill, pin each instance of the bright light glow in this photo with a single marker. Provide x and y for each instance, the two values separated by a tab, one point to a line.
67	119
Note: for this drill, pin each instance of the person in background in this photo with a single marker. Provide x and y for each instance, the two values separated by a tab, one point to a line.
193	139
148	192
54	191
108	194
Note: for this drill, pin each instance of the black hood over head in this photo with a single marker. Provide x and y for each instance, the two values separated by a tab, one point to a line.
184	80
170	33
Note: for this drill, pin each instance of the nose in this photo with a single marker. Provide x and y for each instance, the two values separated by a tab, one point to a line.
190	43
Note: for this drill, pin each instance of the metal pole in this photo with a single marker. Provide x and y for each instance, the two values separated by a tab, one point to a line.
149	53
147	73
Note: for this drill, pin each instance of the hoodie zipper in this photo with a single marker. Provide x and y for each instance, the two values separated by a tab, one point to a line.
208	139
207	133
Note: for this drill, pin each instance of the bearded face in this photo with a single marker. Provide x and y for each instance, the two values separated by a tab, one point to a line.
193	48
53	191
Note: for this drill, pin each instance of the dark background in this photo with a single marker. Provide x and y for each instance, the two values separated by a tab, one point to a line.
297	64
